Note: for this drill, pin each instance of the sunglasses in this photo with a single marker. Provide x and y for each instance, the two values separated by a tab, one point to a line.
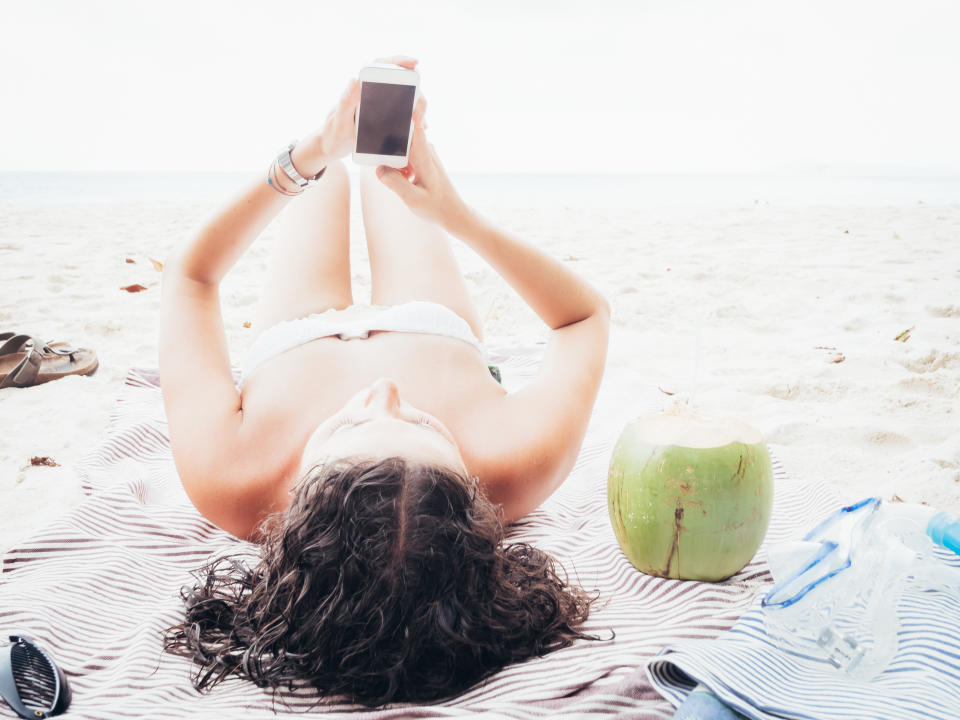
30	682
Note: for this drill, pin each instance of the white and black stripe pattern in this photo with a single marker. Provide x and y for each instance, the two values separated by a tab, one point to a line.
98	586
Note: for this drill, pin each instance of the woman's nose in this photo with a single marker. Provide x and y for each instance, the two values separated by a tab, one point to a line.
384	396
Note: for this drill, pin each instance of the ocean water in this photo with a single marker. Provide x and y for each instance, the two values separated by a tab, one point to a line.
528	190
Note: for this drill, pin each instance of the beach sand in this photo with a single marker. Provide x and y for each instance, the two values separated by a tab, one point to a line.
786	316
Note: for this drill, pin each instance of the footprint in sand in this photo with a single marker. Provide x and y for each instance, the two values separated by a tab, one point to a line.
946	463
890	440
56	283
944	311
931	386
857	323
736	311
931	362
823	392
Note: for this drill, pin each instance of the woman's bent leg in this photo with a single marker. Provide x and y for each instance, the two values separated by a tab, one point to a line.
310	268
410	258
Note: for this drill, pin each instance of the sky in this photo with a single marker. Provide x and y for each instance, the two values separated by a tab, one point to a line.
685	86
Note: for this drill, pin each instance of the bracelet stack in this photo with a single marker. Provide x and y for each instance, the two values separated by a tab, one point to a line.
273	182
284	161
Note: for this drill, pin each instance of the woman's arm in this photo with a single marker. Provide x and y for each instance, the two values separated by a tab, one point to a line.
210	254
216	248
537	429
541	426
202	405
556	293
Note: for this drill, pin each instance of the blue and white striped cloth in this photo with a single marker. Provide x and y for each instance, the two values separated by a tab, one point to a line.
747	670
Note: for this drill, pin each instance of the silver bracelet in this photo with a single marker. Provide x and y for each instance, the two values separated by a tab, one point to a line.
276	185
286	162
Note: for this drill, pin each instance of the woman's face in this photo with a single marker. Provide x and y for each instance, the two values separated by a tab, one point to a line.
377	423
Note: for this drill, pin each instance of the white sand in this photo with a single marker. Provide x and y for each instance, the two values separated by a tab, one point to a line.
778	294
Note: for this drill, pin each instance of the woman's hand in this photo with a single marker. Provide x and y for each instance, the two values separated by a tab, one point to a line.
334	140
423	184
338	136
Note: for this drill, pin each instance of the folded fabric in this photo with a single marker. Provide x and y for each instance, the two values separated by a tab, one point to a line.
98	586
858	641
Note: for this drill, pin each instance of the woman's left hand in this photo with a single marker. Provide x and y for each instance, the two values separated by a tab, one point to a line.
337	138
334	140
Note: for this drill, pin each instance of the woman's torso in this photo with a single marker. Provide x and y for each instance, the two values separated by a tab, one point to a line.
286	397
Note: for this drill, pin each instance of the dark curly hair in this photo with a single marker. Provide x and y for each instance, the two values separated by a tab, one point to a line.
384	581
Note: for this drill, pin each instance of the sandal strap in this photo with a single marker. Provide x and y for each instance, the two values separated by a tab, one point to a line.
13	344
26	370
59	350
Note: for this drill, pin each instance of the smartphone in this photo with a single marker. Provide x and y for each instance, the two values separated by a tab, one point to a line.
384	116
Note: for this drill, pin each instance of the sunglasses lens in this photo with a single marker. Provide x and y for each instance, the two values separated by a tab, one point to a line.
35	678
31	683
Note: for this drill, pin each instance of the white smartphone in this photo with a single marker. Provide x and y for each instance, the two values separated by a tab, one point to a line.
384	116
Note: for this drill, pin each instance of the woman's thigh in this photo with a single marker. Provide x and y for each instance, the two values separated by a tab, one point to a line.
309	271
410	258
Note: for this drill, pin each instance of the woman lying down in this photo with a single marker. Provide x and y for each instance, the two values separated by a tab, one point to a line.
370	450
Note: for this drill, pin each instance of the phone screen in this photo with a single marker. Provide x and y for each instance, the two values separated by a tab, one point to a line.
385	114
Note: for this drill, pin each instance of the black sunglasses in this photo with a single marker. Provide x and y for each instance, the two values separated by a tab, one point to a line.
30	681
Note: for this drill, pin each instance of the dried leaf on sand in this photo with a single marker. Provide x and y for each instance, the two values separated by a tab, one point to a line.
131	261
157	265
905	335
834	356
134	288
44	460
246	323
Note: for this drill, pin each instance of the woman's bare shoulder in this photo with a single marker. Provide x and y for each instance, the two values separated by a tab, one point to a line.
516	452
531	437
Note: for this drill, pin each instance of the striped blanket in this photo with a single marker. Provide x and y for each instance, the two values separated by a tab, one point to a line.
98	586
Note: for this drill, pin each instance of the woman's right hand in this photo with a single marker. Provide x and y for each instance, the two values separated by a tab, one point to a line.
423	184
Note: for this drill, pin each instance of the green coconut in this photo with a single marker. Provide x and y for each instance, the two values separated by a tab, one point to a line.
689	497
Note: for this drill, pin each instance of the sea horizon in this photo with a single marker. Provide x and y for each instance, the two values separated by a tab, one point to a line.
796	187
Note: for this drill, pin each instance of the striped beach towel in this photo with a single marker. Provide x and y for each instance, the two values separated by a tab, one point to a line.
98	586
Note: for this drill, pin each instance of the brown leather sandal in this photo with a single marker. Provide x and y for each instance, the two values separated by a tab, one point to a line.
26	360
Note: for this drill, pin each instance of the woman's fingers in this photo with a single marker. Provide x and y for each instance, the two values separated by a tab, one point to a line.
351	94
419	110
402	60
419	153
395	180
